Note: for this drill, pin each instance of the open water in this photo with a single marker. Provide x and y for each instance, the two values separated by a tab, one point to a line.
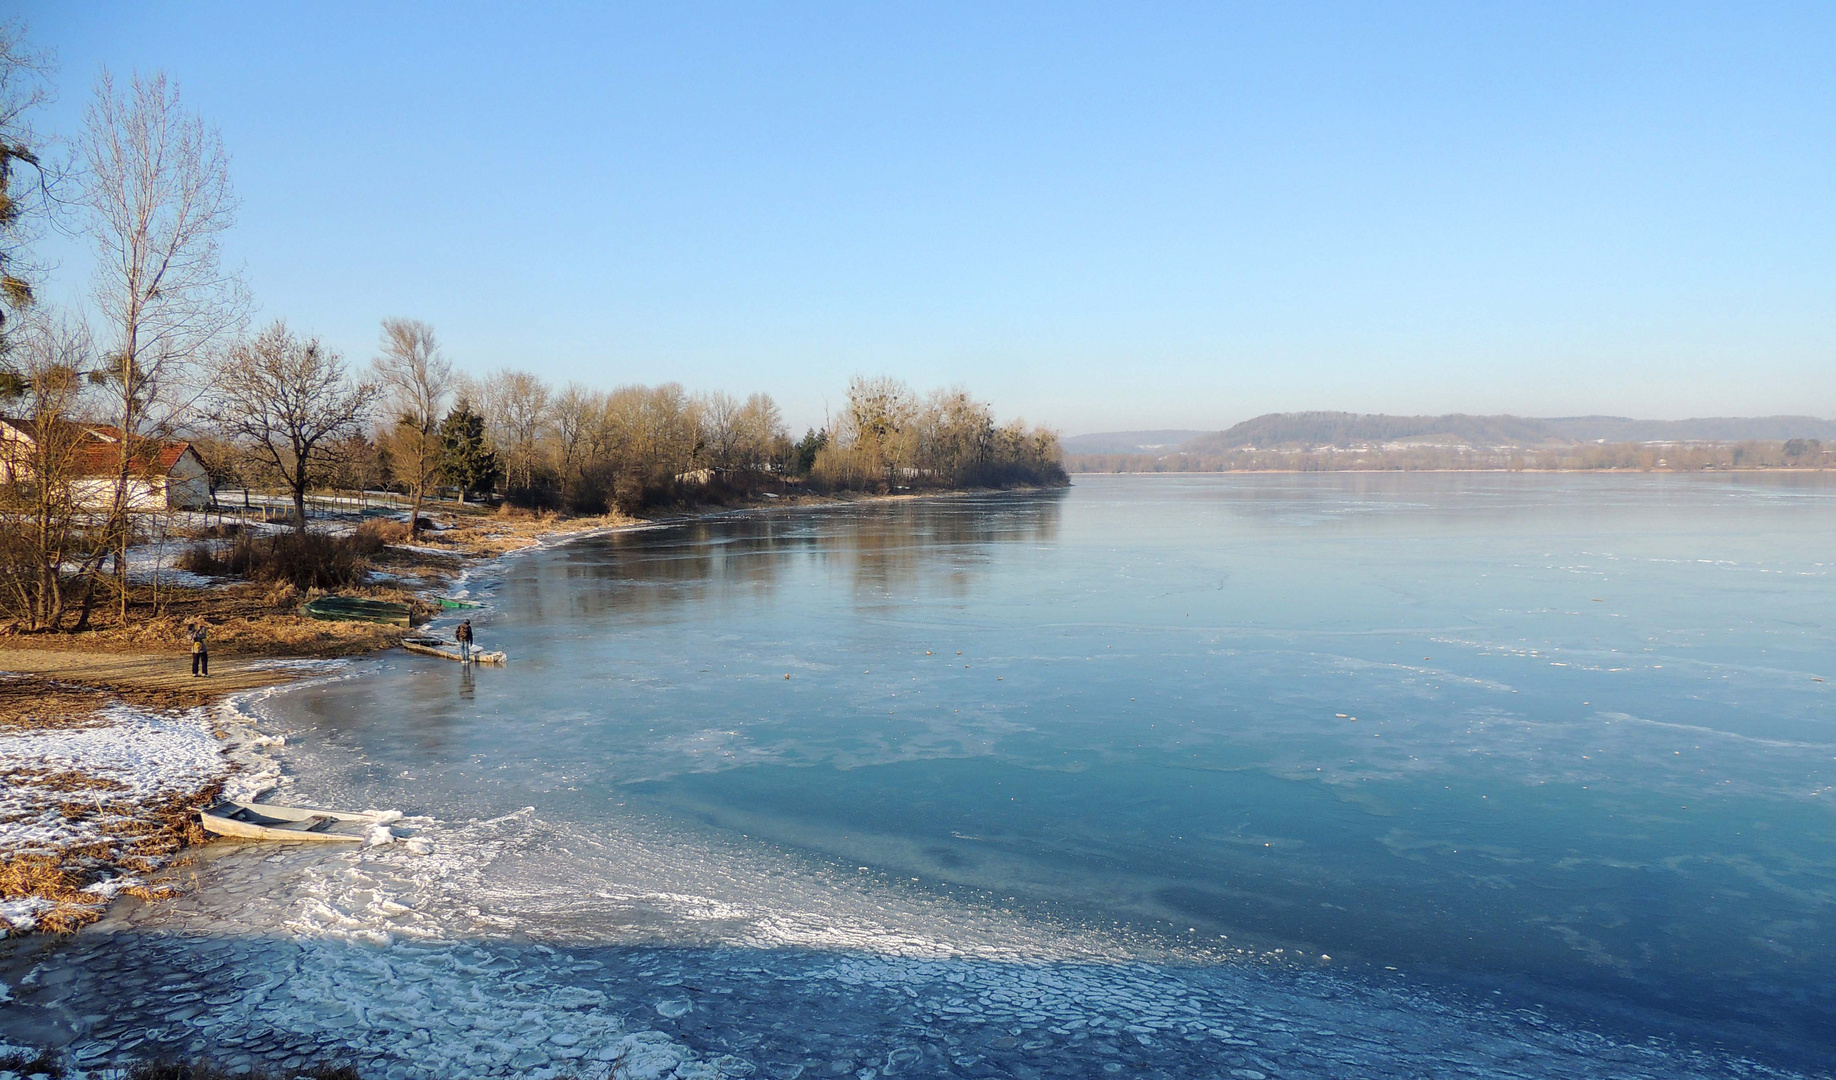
1233	776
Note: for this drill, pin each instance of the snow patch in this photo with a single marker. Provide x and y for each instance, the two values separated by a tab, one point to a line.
17	916
136	760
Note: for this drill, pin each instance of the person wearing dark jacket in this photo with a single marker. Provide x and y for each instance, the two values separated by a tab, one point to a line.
463	635
200	650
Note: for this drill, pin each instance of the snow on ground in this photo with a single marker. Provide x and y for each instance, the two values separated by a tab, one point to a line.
134	759
95	789
149	561
423	549
23	914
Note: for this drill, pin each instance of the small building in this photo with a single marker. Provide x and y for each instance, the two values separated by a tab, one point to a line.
162	474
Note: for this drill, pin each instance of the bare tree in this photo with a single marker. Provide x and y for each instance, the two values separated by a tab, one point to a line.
764	443
416	382
874	429
291	402
516	406
573	415
41	457
158	198
717	416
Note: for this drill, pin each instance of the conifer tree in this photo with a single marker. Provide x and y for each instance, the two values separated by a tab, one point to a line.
466	455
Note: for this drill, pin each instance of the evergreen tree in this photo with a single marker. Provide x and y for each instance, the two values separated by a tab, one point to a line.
465	453
807	448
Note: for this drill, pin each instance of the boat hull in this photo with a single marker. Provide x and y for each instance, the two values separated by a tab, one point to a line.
439	649
358	609
286	824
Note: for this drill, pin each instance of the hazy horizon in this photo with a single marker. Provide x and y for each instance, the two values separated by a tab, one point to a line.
1102	220
1206	429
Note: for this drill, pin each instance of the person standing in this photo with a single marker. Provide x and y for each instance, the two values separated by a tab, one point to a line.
463	635
200	650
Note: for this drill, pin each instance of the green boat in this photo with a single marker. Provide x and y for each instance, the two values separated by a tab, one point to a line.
451	603
358	609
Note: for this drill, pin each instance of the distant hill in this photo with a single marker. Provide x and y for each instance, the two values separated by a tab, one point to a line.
1347	429
1308	429
1127	442
1702	429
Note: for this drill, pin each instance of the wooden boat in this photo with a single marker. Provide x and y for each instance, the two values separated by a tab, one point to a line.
442	649
265	821
358	609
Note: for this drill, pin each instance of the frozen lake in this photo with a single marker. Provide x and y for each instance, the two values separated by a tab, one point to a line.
1400	775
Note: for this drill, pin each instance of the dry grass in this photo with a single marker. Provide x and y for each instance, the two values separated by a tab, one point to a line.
72	685
513	528
34	702
50	878
143	839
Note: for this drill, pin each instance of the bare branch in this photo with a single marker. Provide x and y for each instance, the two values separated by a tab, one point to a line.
416	382
290	402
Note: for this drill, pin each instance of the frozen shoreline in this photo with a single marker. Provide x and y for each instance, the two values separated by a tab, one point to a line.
132	758
96	794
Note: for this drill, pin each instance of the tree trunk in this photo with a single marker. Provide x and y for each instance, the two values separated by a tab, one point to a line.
124	526
299	510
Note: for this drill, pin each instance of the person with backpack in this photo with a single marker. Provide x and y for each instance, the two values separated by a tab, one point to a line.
200	650
463	635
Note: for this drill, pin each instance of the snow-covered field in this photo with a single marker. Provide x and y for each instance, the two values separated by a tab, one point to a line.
130	759
87	794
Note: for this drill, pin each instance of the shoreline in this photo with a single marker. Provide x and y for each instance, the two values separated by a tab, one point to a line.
65	698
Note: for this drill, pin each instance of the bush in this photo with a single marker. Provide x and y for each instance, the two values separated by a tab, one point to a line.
377	533
303	560
201	558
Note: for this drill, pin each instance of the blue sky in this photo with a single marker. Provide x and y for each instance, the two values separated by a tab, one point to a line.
1098	217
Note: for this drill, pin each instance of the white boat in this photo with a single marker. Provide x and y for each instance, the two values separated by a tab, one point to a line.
430	647
265	821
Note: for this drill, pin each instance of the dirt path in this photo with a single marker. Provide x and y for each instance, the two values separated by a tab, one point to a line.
141	675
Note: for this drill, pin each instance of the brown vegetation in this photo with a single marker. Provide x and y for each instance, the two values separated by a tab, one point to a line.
888	439
141	839
304	560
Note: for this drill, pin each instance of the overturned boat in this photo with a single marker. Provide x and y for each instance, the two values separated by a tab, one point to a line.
265	821
359	609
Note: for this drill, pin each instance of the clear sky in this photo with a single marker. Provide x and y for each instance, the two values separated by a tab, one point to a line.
1096	216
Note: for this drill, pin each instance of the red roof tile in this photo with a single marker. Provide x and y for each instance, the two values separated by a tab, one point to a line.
100	453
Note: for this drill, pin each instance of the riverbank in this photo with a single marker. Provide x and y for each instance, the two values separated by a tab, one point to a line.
108	744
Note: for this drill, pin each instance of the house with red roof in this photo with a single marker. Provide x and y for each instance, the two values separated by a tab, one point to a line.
162	474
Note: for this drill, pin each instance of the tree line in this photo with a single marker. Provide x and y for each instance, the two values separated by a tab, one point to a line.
286	411
169	355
